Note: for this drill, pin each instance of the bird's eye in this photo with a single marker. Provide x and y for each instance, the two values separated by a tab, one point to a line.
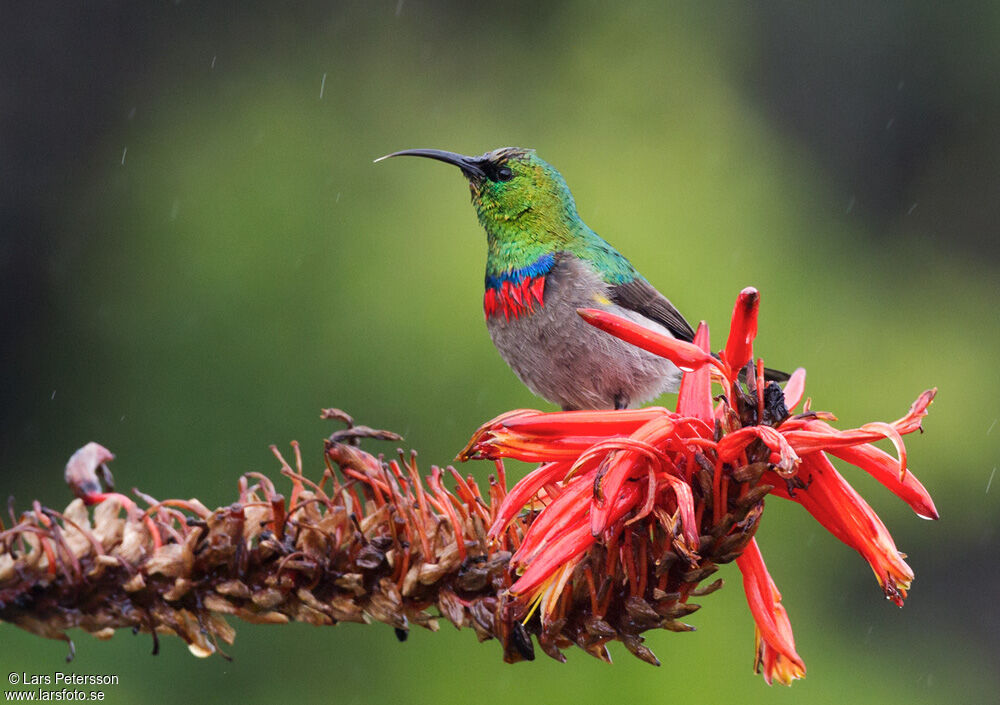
504	174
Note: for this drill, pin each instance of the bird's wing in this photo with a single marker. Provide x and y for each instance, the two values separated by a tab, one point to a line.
639	295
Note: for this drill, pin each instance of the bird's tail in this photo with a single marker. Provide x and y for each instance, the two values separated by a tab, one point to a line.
775	375
769	374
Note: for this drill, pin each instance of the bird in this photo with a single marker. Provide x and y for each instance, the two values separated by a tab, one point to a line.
542	264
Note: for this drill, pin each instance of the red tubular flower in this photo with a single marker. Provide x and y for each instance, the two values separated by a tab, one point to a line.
686	356
695	397
739	347
652	499
776	655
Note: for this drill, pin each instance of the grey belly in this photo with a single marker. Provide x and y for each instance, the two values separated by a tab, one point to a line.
569	362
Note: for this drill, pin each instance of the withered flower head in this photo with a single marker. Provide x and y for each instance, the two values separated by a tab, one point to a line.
610	536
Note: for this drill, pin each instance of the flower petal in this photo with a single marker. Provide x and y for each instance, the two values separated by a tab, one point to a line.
795	388
568	508
893	435
523	491
918	410
685	503
844	513
742	329
483	431
695	397
584	423
611	476
569	546
686	356
502	443
776	654
732	444
884	468
620	465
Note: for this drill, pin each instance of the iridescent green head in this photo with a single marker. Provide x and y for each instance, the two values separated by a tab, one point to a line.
517	195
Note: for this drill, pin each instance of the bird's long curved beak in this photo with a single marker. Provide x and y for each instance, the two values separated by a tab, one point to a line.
470	166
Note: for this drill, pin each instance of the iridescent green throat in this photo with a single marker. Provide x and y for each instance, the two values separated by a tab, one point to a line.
532	214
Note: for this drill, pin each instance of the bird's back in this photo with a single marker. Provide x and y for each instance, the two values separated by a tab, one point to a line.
629	289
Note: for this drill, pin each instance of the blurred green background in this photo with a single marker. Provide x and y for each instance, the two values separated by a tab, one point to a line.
197	253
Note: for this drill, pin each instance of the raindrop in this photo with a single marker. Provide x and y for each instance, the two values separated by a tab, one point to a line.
990	482
399	7
131	113
174	210
53	395
124	152
912	208
322	87
338	201
990	429
890	123
213	61
850	204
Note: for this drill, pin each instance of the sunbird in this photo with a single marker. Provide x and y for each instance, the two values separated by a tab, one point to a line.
542	264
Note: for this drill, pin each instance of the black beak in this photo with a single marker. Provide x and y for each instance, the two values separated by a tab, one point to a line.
470	166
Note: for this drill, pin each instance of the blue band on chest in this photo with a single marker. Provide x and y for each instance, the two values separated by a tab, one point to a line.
539	267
